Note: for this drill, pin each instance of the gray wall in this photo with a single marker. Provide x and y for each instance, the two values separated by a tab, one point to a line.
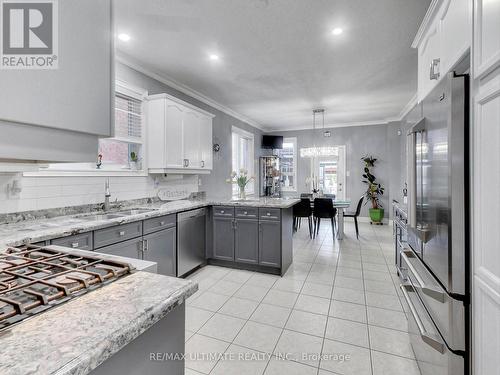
380	141
214	184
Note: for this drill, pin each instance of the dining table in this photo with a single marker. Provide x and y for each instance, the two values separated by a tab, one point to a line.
340	205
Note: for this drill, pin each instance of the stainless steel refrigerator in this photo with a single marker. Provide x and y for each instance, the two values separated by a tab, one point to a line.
437	285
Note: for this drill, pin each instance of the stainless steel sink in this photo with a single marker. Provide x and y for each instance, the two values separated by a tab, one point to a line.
135	211
101	217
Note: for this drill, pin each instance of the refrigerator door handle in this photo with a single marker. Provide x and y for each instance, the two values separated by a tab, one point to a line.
427	337
423	235
438	295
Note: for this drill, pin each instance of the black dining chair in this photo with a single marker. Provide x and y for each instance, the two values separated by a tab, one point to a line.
300	210
323	209
355	215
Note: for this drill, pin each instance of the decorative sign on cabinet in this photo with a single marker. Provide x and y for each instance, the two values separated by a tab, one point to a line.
179	136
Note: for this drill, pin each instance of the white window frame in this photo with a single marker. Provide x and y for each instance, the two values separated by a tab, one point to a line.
292	140
251	172
89	169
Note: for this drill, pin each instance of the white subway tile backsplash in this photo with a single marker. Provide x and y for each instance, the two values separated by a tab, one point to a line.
51	192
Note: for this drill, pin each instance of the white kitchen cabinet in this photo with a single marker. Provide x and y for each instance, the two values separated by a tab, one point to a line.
206	148
179	136
442	40
191	139
59	114
486	179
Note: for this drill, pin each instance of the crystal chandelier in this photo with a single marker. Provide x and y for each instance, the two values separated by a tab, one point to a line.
313	152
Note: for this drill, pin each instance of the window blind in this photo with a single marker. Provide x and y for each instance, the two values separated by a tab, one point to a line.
128	118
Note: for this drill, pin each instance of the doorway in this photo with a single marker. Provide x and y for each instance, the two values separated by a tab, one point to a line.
329	172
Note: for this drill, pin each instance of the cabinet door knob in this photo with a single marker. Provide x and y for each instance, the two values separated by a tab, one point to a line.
221	211
121	233
245	213
268	214
162	223
74	244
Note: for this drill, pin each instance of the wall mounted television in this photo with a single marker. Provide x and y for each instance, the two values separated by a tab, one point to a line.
274	142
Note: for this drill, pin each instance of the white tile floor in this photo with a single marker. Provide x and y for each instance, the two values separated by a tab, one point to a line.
338	304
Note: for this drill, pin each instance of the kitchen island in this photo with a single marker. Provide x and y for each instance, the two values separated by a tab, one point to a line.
101	332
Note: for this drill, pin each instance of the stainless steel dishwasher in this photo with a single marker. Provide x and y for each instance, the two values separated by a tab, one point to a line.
191	239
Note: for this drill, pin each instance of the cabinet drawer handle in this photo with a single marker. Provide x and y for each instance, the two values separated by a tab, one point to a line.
245	213
162	223
222	211
203	164
74	244
121	233
268	214
434	69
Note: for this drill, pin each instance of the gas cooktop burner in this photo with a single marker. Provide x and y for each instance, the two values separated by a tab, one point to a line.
34	279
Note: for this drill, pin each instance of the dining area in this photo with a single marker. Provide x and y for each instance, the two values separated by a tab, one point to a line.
315	207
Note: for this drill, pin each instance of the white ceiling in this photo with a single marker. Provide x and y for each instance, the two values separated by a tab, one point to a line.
278	58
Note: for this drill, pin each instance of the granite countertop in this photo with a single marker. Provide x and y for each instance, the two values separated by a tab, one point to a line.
76	337
29	231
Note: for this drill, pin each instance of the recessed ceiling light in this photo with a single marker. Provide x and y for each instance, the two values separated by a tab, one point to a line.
337	31
124	37
214	57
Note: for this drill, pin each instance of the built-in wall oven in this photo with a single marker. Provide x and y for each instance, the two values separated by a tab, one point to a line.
437	258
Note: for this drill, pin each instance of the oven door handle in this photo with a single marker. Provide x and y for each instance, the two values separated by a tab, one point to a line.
438	295
429	338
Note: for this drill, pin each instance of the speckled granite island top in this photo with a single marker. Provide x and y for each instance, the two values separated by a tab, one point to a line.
30	231
76	337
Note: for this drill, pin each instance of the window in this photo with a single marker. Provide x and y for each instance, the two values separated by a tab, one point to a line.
288	164
128	138
243	156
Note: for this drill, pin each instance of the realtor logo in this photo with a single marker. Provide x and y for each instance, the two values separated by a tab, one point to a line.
29	38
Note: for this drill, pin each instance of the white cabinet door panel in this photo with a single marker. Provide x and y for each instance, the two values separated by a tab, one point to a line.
455	32
174	135
427	52
79	95
191	136
206	142
486	236
486	36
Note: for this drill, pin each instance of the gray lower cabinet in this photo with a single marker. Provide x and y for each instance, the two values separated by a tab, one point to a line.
270	243
223	238
81	241
129	249
160	247
246	249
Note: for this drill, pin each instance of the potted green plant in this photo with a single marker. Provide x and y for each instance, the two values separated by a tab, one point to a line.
134	161
373	191
241	180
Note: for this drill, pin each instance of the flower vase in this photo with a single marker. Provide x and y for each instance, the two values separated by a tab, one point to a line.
242	194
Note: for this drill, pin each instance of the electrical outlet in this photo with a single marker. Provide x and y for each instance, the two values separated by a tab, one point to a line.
14	188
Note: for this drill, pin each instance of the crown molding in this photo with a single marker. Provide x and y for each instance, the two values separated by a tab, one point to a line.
429	16
137	65
408	107
336	125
